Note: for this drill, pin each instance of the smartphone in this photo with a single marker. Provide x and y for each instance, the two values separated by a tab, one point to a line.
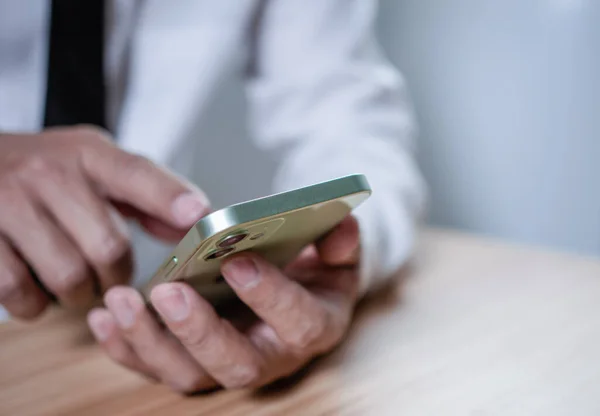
277	227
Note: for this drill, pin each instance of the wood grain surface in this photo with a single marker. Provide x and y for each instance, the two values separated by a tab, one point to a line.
475	328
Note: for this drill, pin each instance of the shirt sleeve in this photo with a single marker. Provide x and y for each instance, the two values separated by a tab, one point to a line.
326	102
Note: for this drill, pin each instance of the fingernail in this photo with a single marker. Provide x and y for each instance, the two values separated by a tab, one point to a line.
101	325
241	273
189	208
171	303
123	311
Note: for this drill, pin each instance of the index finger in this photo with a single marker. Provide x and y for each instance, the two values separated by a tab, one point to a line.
136	180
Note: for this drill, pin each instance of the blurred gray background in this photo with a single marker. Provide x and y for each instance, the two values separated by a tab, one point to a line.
508	99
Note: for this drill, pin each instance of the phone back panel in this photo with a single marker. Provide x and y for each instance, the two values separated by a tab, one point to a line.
304	216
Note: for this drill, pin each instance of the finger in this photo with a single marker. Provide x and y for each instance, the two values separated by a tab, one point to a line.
341	246
151	225
106	332
298	317
19	295
222	351
161	230
137	181
95	227
281	362
307	259
56	261
167	358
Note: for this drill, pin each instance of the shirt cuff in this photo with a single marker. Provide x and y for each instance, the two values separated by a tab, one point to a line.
386	245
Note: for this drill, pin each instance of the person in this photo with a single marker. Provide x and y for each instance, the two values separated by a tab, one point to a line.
98	101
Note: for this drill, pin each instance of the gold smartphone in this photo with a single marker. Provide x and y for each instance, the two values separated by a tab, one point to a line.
277	227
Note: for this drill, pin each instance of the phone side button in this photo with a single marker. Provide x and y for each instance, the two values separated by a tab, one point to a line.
170	266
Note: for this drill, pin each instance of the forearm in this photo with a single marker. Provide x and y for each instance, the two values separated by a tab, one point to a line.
327	103
389	219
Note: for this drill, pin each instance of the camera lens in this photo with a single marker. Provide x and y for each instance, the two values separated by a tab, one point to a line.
218	253
231	240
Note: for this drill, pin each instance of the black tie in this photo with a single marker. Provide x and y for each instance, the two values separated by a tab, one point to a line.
76	85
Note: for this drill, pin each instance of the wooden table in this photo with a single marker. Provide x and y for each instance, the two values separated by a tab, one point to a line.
476	328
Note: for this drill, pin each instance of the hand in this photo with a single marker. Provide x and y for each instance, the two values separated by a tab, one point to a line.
300	313
60	196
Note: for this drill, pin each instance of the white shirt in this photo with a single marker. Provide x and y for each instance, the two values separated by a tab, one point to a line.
320	92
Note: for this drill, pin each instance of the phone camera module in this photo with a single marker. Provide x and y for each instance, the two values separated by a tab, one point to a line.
218	253
232	240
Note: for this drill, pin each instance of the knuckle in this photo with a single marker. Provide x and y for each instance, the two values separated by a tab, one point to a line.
110	249
243	376
305	337
134	164
90	131
71	276
265	300
198	331
196	337
38	166
12	285
136	168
